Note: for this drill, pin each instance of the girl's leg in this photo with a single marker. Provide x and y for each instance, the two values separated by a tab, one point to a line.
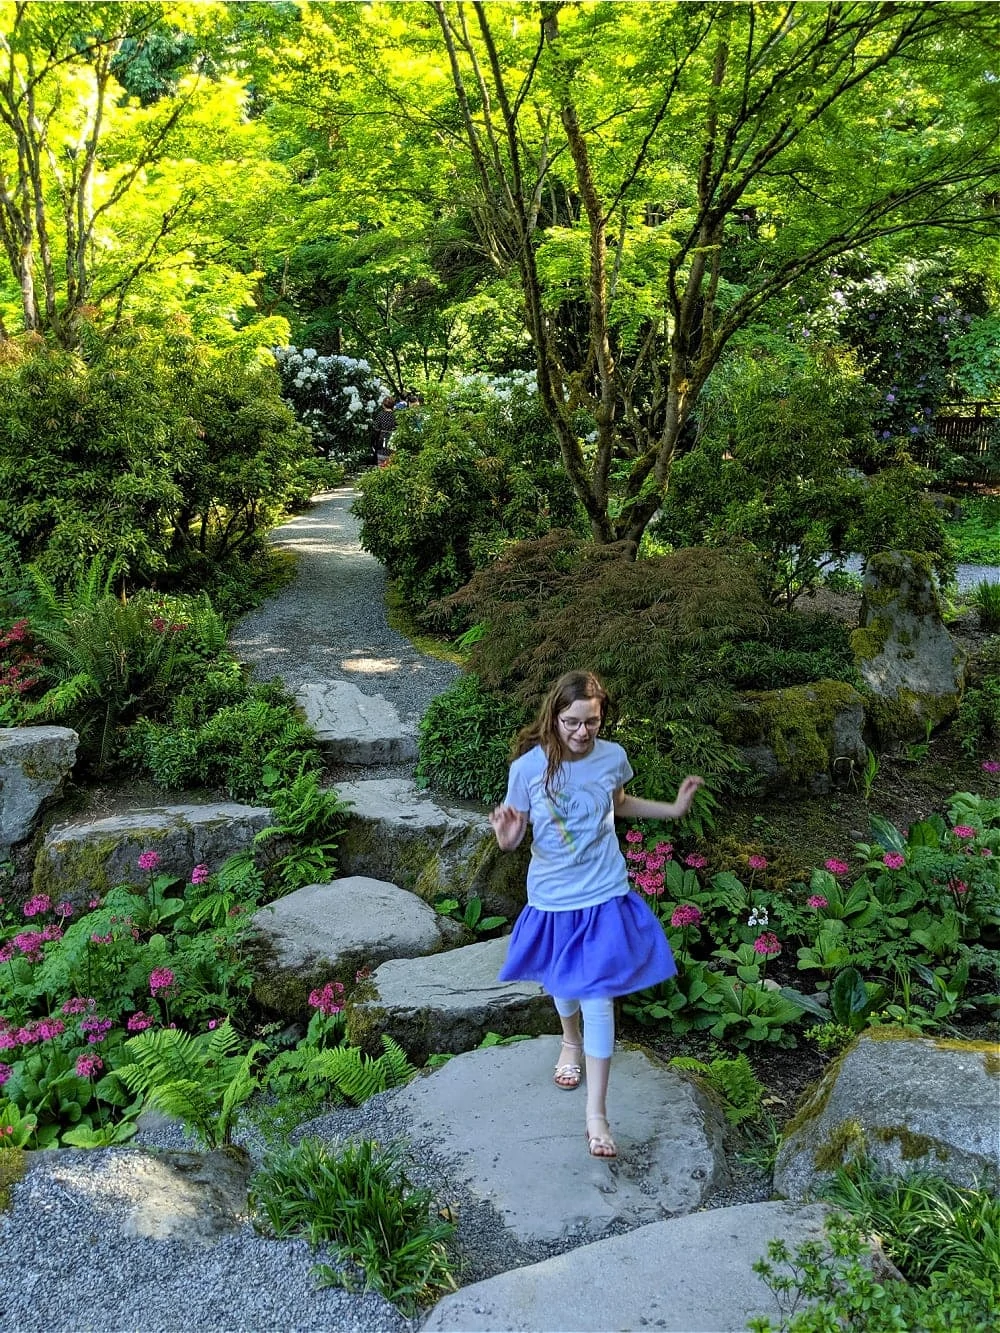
598	1044
567	1073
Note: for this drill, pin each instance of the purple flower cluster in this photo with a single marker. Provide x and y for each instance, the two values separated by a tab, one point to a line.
86	1065
29	943
685	915
40	903
149	861
160	980
96	1029
30	1034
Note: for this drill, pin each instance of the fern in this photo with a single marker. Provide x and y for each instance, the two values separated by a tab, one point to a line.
200	1079
733	1080
55	606
355	1076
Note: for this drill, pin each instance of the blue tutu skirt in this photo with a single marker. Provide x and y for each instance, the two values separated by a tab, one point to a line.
590	953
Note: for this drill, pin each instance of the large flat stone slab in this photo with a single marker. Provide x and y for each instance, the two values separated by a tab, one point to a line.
397	832
907	1103
449	1002
691	1274
34	761
354	727
517	1141
97	855
326	932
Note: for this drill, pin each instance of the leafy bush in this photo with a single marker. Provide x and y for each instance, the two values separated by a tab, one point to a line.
978	723
151	450
465	739
466	479
244	747
360	1200
770	470
986	599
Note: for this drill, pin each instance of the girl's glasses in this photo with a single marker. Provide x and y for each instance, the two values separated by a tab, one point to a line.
580	724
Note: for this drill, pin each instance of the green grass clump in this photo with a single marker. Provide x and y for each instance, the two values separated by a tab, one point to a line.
359	1201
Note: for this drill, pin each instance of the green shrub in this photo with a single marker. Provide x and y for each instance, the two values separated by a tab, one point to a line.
471	474
151	450
360	1200
978	721
246	747
465	740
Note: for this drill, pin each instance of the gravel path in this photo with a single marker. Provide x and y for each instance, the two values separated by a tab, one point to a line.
330	623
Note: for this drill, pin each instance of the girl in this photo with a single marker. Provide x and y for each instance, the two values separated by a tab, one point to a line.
584	936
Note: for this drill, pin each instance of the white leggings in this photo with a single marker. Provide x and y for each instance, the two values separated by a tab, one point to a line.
598	1024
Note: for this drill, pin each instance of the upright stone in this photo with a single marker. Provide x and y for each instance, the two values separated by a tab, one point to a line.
913	668
34	762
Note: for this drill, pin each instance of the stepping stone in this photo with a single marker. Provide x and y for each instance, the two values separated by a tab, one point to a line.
327	932
354	727
397	832
688	1275
79	858
517	1142
449	1002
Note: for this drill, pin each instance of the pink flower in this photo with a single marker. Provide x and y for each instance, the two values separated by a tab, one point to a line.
149	861
78	1005
757	862
817	900
6	951
94	902
633	835
5	1073
47	1028
991	766
329	999
664	849
635	854
160	979
102	939
199	874
985	851
40	903
836	867
695	861
654	862
960	831
685	915
88	1064
65	908
958	886
212	1024
894	860
767	944
139	1022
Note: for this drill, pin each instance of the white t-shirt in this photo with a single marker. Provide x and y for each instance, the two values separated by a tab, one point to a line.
575	857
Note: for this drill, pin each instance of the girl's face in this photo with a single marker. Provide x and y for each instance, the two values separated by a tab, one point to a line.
578	727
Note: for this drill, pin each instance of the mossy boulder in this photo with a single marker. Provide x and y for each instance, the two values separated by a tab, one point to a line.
804	738
905	1102
78	859
397	832
913	669
34	762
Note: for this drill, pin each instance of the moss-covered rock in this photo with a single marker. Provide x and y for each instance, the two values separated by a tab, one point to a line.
903	1101
912	668
398	833
805	738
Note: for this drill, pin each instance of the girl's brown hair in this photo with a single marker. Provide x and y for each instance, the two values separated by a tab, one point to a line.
544	731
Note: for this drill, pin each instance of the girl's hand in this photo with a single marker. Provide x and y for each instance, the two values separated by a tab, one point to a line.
685	795
508	824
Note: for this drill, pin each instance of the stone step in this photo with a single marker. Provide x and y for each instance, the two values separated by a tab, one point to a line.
356	728
517	1143
327	932
94	856
448	1002
397	832
690	1274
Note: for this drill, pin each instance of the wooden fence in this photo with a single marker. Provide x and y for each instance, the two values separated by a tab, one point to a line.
971	430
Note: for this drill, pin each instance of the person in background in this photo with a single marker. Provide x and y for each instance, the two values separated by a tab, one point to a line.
584	935
383	425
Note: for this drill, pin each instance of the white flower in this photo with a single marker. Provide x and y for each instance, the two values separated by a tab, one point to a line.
758	917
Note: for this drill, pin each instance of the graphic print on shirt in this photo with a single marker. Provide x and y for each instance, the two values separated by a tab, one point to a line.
577	818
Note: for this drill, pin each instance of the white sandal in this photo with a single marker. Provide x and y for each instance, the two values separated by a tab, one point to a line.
567	1076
